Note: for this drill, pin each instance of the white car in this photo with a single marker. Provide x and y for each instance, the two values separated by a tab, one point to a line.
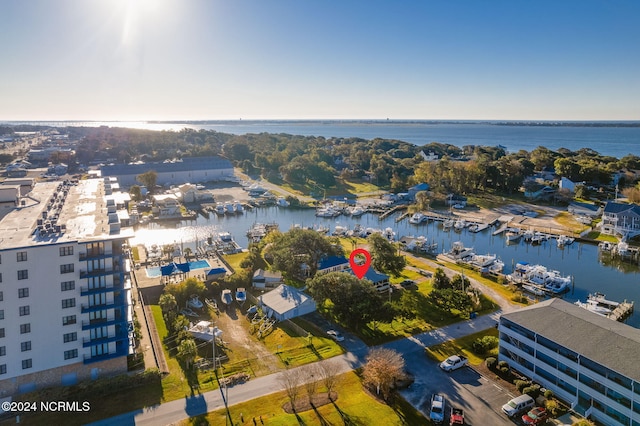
335	335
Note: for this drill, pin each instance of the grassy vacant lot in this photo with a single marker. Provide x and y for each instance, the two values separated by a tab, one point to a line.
343	187
463	346
566	219
595	235
354	406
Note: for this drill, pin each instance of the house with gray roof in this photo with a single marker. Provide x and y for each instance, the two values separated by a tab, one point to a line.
621	219
286	302
587	360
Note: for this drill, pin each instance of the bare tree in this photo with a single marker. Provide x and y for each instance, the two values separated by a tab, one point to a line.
291	381
381	370
328	372
310	372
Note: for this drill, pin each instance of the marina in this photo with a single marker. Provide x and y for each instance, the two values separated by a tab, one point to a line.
586	263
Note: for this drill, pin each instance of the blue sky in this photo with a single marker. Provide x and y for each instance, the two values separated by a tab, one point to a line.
256	59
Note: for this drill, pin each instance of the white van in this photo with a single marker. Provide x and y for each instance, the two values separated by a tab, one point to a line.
518	405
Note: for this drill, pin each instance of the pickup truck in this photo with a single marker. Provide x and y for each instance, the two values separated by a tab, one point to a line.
454	362
437	409
456	417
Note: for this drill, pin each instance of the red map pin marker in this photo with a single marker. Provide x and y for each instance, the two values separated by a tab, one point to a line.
360	270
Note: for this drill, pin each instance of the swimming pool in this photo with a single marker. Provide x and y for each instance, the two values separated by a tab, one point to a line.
154	271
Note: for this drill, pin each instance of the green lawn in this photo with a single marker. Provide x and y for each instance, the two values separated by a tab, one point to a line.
353	406
595	235
567	220
463	346
235	259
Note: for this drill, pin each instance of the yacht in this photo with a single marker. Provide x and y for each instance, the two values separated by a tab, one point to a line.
513	236
459	225
238	206
229	208
241	295
447	224
220	209
417	218
563	240
357	211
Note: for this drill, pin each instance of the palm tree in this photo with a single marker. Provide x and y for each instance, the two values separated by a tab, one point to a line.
187	253
187	351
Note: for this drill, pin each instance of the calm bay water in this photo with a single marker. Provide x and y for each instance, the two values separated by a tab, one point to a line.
607	140
580	260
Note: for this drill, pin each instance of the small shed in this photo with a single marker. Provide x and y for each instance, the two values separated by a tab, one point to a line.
286	302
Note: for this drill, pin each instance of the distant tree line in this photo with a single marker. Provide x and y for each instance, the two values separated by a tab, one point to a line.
320	161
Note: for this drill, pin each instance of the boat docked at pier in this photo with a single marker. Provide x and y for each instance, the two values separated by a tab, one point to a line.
512	235
599	304
225	244
357	211
540	277
458	252
417	218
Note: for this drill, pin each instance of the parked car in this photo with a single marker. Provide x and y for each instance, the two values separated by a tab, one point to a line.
518	405
456	417
437	409
454	362
335	335
537	416
407	283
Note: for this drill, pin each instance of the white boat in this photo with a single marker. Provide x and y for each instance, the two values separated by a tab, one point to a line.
220	209
241	295
327	212
340	230
563	240
459	252
447	224
238	206
622	249
229	208
357	211
593	306
417	218
483	260
194	302
204	330
527	235
534	289
513	236
459	225
606	246
226	297
497	266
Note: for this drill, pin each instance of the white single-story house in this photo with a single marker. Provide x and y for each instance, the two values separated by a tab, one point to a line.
567	184
286	302
264	279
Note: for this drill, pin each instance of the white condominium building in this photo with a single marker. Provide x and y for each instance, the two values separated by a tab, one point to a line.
65	292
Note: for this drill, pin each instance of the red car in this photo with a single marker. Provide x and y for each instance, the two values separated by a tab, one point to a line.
537	416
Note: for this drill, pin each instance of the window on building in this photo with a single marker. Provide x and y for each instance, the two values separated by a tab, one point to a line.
25	328
3	350
23	274
66	269
67	285
27	363
73	353
1	314
68	320
23	292
25	346
24	310
0	278
68	303
1	332
3	368
66	251
1	296
22	256
70	337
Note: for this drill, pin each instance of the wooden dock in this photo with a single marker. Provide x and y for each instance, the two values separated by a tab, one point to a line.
392	211
622	311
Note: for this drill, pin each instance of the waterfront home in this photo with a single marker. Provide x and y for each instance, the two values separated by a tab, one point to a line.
621	219
380	281
546	342
539	192
286	302
166	206
417	188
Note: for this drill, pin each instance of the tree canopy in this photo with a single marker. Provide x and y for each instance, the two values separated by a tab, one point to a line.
354	301
384	255
291	250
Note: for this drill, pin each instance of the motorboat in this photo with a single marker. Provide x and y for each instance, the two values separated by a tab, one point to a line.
204	330
417	218
593	306
238	207
447	224
459	225
226	297
357	211
459	252
188	312
241	295
194	302
229	208
327	212
534	289
563	240
340	230
220	209
513	236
